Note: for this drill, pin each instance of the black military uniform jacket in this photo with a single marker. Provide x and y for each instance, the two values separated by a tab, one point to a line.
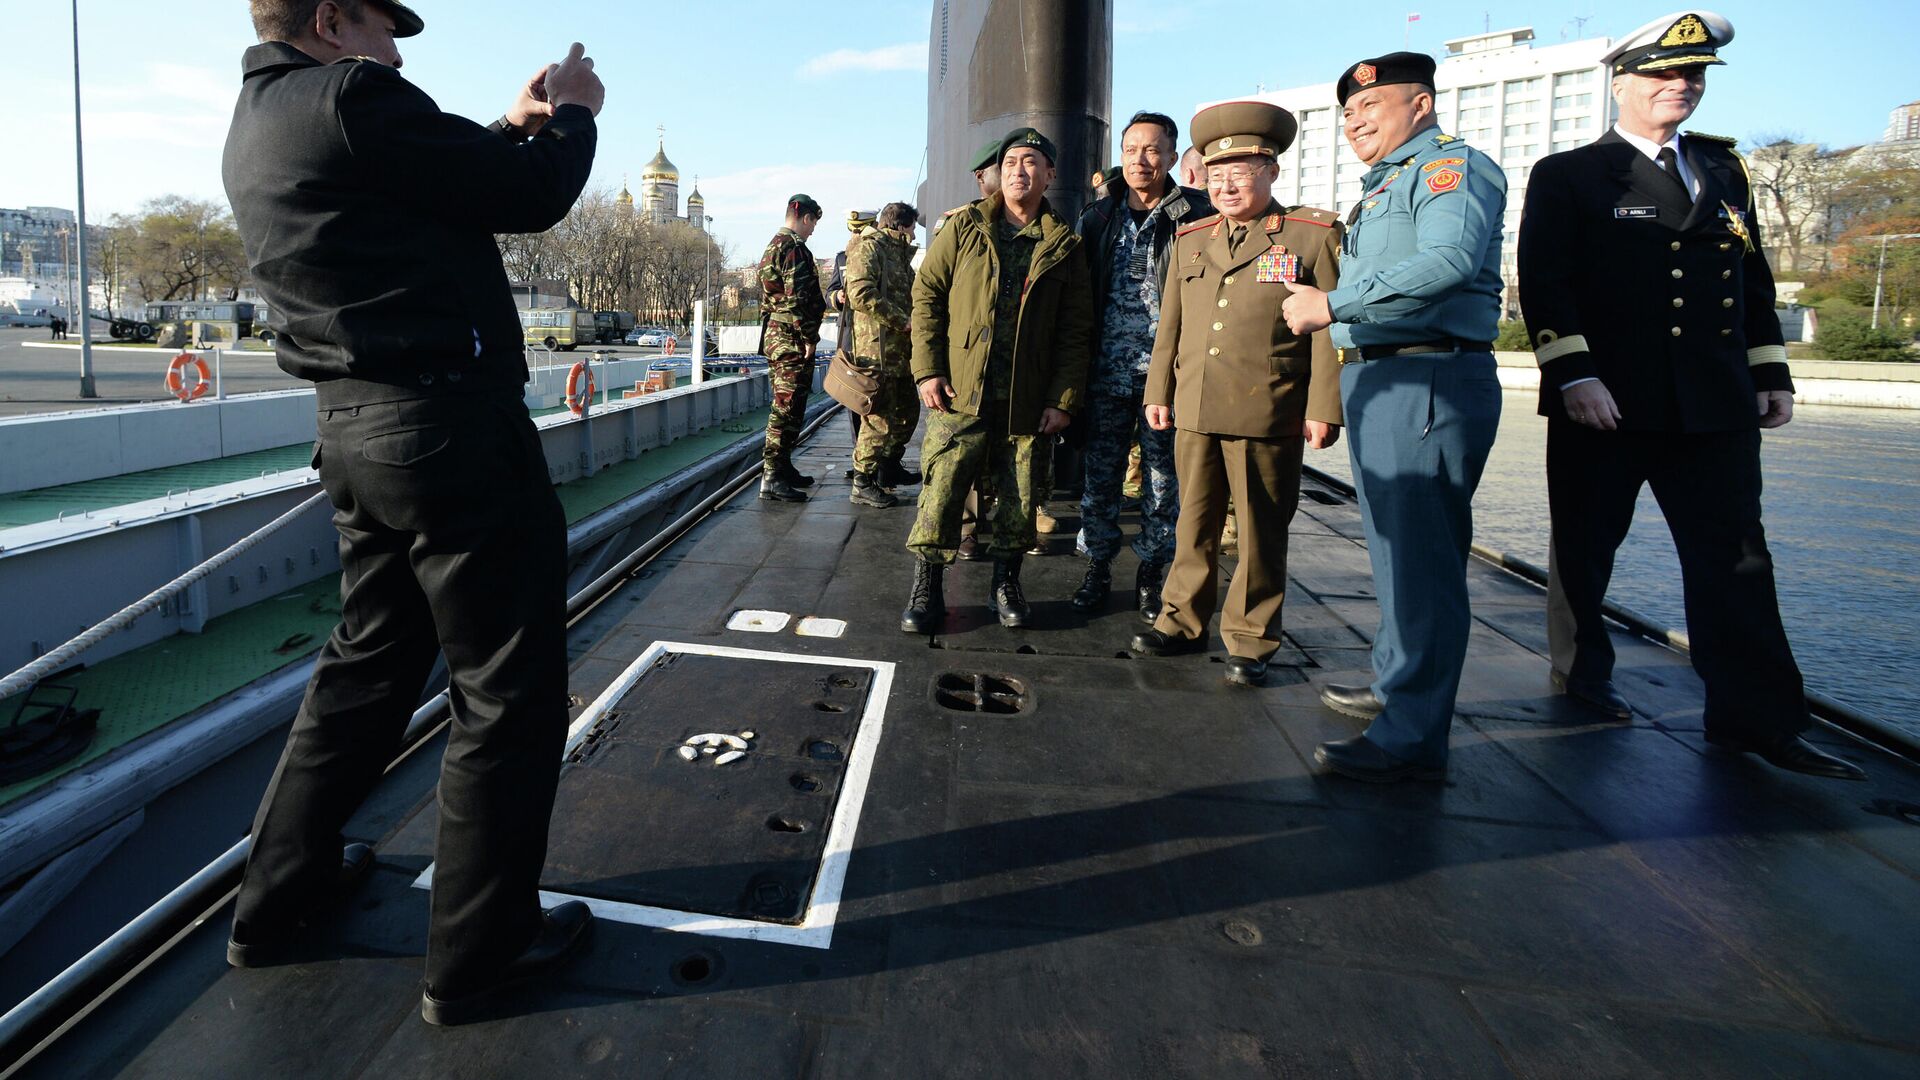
368	217
1669	304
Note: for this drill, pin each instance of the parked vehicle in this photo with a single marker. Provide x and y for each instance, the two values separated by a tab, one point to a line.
565	329
612	326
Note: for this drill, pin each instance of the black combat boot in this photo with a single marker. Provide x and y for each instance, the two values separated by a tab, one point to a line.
868	492
1006	600
775	486
1146	589
927	605
893	474
1093	591
792	475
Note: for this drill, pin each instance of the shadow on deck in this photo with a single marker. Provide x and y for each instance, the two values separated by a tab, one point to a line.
1139	874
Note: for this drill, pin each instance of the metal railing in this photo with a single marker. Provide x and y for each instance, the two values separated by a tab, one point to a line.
64	1001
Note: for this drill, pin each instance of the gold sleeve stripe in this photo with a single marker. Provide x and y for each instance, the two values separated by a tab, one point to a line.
1766	354
1559	347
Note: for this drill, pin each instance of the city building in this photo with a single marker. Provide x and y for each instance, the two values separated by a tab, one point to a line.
1903	124
660	193
36	241
1507	96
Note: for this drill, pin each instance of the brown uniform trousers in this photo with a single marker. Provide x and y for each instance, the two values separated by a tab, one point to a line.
1241	385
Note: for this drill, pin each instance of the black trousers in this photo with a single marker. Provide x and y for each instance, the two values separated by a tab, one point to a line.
1708	486
451	540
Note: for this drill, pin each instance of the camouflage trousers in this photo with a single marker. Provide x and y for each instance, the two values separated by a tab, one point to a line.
791	374
1111	424
956	451
885	431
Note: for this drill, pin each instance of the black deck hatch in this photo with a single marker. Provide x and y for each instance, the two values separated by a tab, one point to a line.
709	787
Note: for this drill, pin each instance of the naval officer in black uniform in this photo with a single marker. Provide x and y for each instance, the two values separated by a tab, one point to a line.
1651	312
368	217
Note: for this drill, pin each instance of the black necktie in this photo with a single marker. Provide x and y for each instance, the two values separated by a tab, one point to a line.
1670	164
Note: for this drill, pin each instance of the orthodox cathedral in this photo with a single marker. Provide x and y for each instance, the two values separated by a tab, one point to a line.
660	193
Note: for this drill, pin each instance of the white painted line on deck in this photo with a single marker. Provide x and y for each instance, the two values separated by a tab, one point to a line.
815	930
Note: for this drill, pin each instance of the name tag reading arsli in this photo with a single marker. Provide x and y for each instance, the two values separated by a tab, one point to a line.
1635	212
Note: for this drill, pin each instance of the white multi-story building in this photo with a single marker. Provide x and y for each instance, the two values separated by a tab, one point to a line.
1500	92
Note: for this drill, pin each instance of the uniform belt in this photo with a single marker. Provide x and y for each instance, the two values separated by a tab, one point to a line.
1447	345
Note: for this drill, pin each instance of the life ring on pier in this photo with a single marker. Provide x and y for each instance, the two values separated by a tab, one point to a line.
672	343
579	387
177	383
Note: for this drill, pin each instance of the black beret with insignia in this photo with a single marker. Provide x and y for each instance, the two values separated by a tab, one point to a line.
1400	67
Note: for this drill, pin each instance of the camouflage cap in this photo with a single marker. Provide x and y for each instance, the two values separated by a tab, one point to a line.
405	22
987	156
804	206
1027	136
1242	128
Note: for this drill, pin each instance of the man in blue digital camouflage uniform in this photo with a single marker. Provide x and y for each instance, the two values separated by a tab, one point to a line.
1415	312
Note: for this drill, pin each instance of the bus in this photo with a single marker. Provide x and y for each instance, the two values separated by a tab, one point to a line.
564	329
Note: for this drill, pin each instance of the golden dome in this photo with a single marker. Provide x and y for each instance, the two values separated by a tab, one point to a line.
696	199
660	168
625	198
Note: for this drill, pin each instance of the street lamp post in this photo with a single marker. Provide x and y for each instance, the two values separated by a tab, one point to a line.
1880	275
80	191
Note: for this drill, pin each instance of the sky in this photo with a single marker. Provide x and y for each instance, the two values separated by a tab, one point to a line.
763	99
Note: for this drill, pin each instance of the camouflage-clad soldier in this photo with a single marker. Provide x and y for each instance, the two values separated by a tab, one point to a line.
880	293
792	307
1002	322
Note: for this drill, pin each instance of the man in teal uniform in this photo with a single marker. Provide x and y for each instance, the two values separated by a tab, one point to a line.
1415	314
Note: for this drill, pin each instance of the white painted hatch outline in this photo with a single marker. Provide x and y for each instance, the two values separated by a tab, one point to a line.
815	930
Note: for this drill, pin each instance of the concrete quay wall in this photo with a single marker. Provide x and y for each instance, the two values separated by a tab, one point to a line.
1815	382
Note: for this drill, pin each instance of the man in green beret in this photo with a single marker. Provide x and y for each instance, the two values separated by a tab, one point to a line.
792	308
1002	329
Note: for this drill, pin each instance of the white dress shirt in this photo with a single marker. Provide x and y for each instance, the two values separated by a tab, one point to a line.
1652	150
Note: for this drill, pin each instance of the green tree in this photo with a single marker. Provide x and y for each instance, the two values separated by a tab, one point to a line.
177	248
1851	336
1512	337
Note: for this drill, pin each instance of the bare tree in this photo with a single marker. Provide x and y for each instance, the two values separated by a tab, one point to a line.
1794	182
176	247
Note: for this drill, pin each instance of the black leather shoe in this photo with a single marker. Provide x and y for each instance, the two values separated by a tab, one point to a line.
356	862
867	492
1246	671
969	547
1600	695
1158	643
1146	590
775	486
794	476
563	930
1039	548
927	603
1359	759
1005	598
1358	702
1793	754
894	474
1093	590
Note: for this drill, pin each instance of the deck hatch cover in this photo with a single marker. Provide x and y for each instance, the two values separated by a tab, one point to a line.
637	820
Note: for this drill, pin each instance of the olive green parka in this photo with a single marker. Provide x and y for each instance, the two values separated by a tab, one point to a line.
953	305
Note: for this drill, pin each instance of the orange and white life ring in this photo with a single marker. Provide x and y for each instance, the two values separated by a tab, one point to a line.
671	344
177	383
579	387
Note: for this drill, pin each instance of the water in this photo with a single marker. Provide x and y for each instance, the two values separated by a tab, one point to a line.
1842	511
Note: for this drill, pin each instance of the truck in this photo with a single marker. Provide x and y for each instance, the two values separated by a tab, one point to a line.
565	329
611	326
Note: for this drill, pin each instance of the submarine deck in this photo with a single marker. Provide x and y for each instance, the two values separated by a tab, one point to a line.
1060	861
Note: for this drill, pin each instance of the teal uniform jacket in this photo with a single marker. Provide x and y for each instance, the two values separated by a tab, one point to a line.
1421	261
